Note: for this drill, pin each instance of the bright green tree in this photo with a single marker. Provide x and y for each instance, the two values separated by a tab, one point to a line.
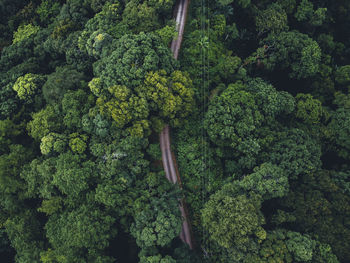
24	32
27	86
170	97
53	142
44	122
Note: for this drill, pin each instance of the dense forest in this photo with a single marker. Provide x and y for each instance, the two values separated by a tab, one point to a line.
259	108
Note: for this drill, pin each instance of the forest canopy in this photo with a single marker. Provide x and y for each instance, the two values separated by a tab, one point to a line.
258	103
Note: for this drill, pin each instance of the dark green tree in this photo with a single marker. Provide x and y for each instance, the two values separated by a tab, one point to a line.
292	51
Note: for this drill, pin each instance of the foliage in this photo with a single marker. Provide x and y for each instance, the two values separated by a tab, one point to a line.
24	238
305	12
132	58
224	128
43	122
27	86
74	105
268	180
59	82
10	164
231	218
157	259
24	32
243	3
272	19
166	34
99	30
321	209
308	109
157	225
294	51
300	246
140	17
258	105
53	142
240	118
340	131
47	10
85	227
171	97
296	153
342	75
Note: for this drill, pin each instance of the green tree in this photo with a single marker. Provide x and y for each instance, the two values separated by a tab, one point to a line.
169	96
126	109
27	86
44	122
157	259
296	153
140	16
53	142
293	51
158	224
59	82
133	56
124	162
10	168
300	246
243	117
288	246
23	233
274	248
99	30
24	32
321	209
8	134
305	12
38	176
73	176
339	131
73	233
273	19
243	3
232	218
309	110
268	180
77	142
47	11
167	33
74	105
51	206
232	116
342	75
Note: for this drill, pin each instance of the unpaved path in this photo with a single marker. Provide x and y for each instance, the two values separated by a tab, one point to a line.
168	158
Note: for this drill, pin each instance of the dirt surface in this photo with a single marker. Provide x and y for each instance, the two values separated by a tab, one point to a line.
168	158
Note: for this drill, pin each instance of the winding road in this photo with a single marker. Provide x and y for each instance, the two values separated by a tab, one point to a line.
168	158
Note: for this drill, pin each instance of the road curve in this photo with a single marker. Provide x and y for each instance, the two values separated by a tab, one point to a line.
168	158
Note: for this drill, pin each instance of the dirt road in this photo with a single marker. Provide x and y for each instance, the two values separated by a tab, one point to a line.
168	158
